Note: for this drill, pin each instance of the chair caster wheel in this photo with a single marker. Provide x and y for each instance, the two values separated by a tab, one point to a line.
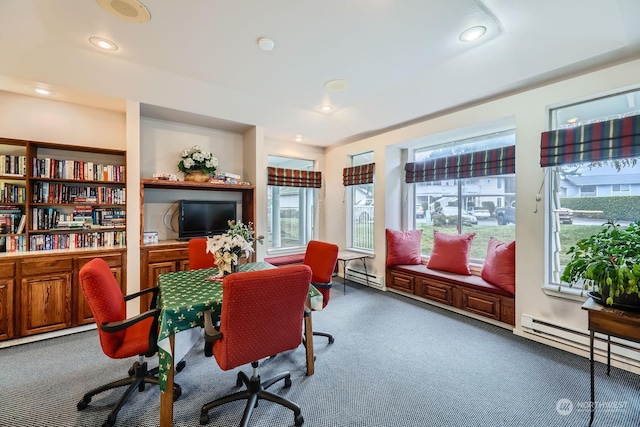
83	404
111	420
287	382
180	366
204	419
299	420
331	340
177	392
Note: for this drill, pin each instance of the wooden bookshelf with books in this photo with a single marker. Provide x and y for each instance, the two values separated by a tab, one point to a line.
60	206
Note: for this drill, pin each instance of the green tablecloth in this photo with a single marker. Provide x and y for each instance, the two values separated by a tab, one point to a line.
184	298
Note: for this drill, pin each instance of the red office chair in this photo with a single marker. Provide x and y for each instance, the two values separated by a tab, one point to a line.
198	255
261	314
120	337
322	258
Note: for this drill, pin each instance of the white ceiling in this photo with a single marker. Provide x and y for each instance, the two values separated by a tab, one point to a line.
402	58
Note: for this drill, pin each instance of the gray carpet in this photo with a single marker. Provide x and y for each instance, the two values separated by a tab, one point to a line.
395	362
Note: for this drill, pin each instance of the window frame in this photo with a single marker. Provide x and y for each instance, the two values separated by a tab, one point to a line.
350	198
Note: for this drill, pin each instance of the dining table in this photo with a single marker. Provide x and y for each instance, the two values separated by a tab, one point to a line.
185	298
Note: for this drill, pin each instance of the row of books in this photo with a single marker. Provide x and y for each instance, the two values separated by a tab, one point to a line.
94	240
12	223
12	193
77	170
13	165
13	244
53	192
82	217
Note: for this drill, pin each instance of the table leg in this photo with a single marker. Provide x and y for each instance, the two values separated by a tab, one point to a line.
593	390
308	337
166	398
344	274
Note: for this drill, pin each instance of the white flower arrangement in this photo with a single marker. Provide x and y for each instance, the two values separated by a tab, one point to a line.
229	247
195	159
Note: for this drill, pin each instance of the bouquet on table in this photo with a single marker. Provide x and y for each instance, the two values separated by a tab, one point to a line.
229	247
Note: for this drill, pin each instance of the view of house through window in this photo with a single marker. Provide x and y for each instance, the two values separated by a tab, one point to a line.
483	205
362	217
583	196
290	210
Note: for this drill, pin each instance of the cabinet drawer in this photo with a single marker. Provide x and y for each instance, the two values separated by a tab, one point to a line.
435	291
8	270
479	303
162	255
113	260
39	266
401	282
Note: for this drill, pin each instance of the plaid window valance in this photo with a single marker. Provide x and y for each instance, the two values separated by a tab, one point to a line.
612	139
356	175
498	161
293	178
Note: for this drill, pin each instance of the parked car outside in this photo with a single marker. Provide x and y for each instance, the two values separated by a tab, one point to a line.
506	214
419	211
480	213
448	215
565	215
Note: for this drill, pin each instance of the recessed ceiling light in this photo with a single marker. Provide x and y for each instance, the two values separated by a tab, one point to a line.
337	85
103	43
266	44
298	138
127	10
473	33
325	108
43	91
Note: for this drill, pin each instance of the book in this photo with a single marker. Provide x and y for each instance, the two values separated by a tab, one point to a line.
23	221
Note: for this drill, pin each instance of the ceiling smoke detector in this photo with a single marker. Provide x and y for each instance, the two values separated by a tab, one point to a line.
266	44
337	85
127	10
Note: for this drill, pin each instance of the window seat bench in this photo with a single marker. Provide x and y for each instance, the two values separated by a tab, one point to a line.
468	293
280	261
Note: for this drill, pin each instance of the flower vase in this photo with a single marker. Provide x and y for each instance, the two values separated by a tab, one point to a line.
234	269
196	176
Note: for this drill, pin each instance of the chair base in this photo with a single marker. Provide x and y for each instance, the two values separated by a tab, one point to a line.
256	390
324	334
138	378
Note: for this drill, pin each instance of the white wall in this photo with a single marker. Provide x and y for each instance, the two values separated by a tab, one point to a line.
529	110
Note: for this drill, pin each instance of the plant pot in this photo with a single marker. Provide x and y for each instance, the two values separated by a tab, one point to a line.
234	269
196	176
623	302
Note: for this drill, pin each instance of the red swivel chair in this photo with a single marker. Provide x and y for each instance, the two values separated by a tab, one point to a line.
261	314
198	255
120	337
322	258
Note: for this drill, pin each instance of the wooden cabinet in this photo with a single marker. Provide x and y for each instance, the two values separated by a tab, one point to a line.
157	259
41	292
7	286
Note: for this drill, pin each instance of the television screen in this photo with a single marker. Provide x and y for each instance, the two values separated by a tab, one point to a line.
198	218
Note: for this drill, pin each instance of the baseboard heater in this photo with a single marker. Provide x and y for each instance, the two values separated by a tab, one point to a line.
621	350
360	277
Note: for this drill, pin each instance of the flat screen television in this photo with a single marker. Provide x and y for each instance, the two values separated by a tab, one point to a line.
199	218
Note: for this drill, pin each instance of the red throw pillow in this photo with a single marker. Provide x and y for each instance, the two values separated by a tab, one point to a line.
403	247
451	252
499	266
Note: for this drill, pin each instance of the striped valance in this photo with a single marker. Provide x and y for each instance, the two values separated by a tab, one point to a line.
498	161
293	178
611	139
356	175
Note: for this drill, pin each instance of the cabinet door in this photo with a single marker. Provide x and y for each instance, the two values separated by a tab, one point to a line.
154	270
6	308
45	303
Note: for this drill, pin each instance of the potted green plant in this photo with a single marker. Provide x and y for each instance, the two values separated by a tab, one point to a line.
608	264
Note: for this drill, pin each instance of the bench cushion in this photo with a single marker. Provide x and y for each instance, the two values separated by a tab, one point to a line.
285	260
471	281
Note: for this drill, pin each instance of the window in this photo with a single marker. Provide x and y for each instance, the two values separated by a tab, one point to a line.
290	210
362	207
466	205
584	195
